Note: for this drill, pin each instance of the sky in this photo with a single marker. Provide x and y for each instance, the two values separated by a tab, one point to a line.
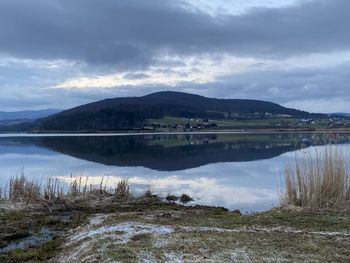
64	53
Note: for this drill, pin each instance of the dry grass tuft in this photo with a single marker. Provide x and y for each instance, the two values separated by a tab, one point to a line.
22	189
318	180
3	194
78	194
122	189
149	192
52	190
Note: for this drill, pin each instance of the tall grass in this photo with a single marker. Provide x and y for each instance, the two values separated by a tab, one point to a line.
3	194
80	187
149	190
318	179
53	189
122	189
79	194
22	189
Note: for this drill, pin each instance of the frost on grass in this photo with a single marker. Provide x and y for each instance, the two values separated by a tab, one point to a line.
97	220
287	230
96	241
89	243
122	233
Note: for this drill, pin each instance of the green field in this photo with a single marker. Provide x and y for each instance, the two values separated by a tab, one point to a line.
271	123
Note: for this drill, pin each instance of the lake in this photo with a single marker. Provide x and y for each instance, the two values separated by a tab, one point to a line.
237	171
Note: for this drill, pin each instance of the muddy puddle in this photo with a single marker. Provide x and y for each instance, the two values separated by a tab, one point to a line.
31	239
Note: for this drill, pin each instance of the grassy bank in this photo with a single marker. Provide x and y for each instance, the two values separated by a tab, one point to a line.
156	231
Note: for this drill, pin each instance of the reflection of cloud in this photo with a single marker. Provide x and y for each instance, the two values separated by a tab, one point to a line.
245	185
221	184
205	190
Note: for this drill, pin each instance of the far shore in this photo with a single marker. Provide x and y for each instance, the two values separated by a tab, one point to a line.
140	133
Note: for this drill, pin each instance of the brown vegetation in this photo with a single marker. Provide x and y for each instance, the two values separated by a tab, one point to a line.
78	195
318	180
123	189
22	189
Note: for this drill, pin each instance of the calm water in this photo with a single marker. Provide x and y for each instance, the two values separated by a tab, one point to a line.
235	171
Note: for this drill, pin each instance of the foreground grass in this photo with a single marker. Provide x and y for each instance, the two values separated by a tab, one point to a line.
202	234
22	225
158	231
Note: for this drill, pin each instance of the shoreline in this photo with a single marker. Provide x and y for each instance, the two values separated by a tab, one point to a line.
98	134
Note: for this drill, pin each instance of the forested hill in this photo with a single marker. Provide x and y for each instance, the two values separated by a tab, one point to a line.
132	112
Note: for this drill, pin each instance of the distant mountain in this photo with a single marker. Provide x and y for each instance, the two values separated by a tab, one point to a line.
133	112
341	114
26	115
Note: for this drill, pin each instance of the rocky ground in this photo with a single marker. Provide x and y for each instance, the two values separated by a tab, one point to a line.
156	231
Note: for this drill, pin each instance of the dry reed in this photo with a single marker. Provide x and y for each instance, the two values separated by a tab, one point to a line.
318	179
21	189
149	192
77	194
122	189
3	194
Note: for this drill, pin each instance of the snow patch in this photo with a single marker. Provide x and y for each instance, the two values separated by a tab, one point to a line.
173	257
97	220
122	232
84	244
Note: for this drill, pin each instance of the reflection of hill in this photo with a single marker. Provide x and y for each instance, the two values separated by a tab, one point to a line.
158	157
172	153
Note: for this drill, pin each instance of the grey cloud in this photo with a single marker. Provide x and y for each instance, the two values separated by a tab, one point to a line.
278	86
134	76
128	36
284	87
317	90
133	33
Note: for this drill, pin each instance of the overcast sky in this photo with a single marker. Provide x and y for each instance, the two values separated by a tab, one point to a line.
63	53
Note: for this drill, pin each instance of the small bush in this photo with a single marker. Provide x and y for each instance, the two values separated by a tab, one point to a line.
149	193
172	198
184	198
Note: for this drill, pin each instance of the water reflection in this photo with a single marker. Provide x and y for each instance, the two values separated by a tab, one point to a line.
235	171
173	152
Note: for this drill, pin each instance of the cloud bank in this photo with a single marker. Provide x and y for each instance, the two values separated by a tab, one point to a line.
84	50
